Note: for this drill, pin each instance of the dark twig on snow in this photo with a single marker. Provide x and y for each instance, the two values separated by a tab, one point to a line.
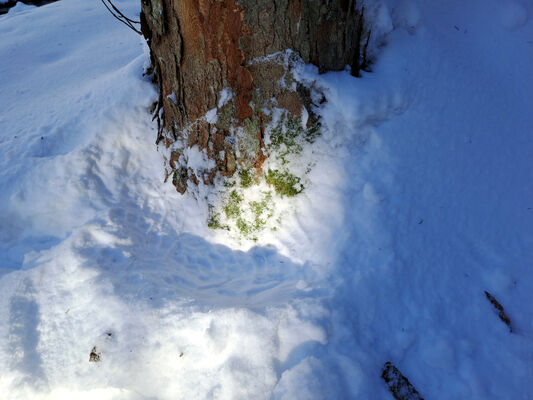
501	312
398	384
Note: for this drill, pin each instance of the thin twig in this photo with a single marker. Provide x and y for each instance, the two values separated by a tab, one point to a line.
121	14
121	17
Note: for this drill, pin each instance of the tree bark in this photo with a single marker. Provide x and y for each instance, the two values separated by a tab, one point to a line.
217	55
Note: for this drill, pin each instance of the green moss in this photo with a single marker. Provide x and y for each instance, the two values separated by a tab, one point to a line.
225	117
265	205
284	139
287	137
243	227
247	230
251	127
284	183
257	102
175	178
246	178
180	178
312	133
214	222
294	125
248	142
233	207
249	218
259	208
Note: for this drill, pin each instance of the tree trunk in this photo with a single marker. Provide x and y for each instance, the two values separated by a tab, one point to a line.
219	76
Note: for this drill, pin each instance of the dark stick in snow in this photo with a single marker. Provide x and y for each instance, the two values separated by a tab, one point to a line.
501	312
398	384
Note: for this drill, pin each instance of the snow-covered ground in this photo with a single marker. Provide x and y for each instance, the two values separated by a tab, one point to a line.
422	199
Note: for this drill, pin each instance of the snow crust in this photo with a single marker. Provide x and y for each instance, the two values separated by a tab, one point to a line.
419	200
224	96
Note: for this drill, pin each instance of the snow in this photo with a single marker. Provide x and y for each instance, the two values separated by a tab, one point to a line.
211	116
173	98
419	200
224	96
19	8
514	16
197	160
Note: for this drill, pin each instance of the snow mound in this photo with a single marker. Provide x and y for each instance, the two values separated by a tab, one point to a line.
21	8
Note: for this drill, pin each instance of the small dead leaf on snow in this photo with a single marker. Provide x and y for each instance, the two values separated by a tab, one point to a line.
94	356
